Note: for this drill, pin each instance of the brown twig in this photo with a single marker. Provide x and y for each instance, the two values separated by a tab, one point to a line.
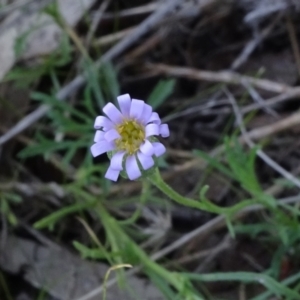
149	44
96	21
290	94
258	99
228	77
281	125
294	41
132	12
253	44
113	37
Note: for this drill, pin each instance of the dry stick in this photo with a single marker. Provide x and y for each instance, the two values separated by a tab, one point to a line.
113	37
77	82
257	98
274	165
252	262
39	236
291	93
96	21
148	45
276	189
151	42
202	108
242	291
223	245
294	41
276	127
252	45
214	253
265	10
221	76
139	10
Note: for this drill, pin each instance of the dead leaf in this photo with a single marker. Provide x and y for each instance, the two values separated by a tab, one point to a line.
64	275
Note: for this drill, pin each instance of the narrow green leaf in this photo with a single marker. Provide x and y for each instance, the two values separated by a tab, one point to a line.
290	280
274	286
50	220
215	163
161	92
110	80
86	252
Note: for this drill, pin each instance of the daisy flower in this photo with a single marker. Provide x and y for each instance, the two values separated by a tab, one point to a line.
128	134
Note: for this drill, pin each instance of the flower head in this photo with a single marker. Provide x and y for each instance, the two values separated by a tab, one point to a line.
128	134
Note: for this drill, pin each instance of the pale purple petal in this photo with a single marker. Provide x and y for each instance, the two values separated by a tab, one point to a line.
111	135
147	148
152	129
154	118
164	130
117	160
136	108
107	133
146	161
124	103
159	149
132	168
104	122
112	174
99	136
113	113
147	111
101	147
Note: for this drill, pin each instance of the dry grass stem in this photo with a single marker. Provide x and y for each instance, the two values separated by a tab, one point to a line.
279	126
227	77
253	44
109	39
294	41
97	18
292	93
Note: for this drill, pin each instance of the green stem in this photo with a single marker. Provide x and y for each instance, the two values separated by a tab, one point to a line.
204	205
143	198
156	180
5	287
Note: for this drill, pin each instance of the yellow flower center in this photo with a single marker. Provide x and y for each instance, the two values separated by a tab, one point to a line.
132	135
